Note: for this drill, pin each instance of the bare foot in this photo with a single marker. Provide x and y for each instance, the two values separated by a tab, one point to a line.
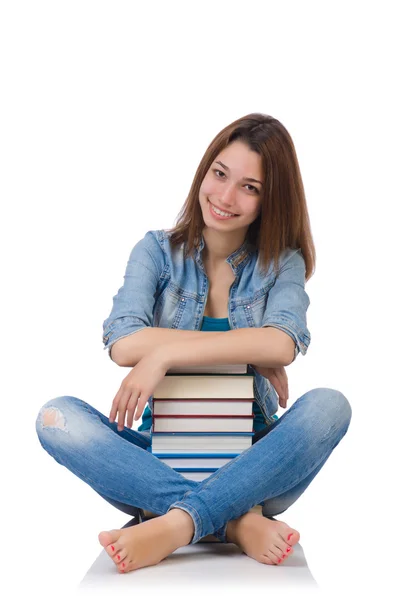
148	543
269	542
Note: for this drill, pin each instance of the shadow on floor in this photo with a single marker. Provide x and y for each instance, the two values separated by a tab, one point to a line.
205	565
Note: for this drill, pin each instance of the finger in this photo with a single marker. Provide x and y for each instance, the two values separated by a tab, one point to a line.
282	376
281	391
277	386
123	407
141	406
131	409
285	382
115	403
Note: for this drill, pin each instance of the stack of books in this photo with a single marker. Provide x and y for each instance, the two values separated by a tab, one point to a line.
202	417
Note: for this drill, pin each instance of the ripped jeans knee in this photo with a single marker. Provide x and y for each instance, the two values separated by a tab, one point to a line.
50	416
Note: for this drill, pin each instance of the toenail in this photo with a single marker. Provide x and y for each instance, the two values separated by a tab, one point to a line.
279	560
118	556
283	556
123	565
288	550
290	535
112	547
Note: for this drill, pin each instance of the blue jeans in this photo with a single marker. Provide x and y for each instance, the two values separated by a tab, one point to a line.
273	472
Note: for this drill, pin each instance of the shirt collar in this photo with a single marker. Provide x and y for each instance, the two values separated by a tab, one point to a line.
236	259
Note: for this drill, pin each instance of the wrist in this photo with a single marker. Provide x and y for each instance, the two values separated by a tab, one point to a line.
159	356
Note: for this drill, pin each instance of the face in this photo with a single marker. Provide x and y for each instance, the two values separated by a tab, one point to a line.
229	186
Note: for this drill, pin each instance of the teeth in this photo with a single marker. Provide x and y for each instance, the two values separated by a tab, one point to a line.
220	212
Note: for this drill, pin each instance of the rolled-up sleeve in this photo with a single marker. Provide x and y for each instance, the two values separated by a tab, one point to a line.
134	302
287	302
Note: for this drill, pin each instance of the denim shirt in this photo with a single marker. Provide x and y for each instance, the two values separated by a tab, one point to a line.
163	289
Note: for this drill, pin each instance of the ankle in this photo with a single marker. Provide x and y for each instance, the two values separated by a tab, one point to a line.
230	531
183	523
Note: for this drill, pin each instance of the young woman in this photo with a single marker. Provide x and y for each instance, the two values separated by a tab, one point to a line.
225	286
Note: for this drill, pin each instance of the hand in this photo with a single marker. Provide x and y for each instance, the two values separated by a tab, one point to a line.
136	389
278	378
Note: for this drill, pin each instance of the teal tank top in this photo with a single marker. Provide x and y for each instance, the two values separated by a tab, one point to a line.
209	324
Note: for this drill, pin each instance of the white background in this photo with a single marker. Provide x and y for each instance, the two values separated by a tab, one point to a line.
106	111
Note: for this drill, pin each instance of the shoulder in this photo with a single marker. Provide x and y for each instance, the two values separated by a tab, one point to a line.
150	250
152	242
157	244
291	258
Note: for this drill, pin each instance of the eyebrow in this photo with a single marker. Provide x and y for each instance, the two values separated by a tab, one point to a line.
244	178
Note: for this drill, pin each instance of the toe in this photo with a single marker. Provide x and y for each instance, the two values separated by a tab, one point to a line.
276	551
130	565
110	542
273	557
284	556
106	538
266	560
120	556
289	536
113	550
293	537
123	566
289	551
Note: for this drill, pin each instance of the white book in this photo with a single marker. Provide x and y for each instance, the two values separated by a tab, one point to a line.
242	368
202	407
175	463
196	475
232	424
206	386
215	444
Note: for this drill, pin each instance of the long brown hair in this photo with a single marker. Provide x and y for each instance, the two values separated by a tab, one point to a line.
284	220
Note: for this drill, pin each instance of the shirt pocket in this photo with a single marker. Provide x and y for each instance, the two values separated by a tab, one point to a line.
171	307
251	310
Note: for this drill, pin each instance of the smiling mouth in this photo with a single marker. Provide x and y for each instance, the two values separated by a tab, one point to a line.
233	214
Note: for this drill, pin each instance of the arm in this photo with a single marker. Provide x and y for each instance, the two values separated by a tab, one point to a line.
128	351
268	347
128	334
287	302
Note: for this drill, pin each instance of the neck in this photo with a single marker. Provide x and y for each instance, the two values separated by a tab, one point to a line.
218	247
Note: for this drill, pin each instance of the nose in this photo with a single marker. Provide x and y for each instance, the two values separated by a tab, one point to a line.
226	197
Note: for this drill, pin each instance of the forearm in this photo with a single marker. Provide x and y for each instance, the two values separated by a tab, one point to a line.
128	351
257	346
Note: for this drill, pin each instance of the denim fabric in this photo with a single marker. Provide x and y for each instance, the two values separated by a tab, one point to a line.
273	472
163	289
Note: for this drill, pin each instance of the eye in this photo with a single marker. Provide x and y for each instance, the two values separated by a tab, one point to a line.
253	188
